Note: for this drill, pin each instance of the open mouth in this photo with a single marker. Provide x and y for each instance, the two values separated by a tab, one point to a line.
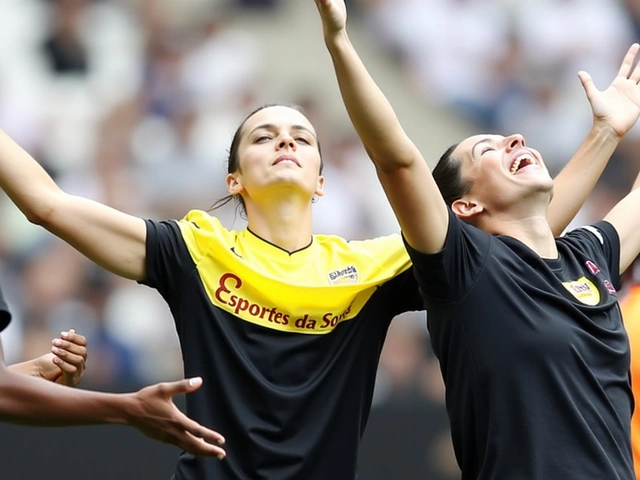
522	161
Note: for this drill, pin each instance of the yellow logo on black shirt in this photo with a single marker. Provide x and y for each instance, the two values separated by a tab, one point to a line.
584	290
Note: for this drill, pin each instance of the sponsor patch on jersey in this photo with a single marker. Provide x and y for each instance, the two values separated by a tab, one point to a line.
610	288
344	275
593	268
584	290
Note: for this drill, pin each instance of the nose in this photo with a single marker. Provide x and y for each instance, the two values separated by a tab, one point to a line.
287	141
515	141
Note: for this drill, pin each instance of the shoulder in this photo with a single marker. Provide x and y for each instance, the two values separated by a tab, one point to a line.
598	236
375	258
198	224
379	247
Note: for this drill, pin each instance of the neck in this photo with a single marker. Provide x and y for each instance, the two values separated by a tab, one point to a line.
533	230
287	224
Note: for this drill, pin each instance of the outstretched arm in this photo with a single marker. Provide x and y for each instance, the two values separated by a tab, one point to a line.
29	401
404	174
112	239
615	111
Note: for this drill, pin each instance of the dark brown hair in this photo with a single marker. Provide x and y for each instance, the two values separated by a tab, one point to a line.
233	161
448	176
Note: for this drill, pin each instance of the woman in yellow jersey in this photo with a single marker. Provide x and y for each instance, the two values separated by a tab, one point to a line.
285	327
526	326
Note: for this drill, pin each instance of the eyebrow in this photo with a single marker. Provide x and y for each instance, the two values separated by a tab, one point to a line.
484	140
271	126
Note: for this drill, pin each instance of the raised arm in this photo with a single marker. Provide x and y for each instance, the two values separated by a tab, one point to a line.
615	111
405	176
28	401
625	217
112	239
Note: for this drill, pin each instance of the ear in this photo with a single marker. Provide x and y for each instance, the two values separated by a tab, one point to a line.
466	209
320	186
234	184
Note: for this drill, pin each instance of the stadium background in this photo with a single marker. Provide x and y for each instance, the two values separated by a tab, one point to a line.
133	102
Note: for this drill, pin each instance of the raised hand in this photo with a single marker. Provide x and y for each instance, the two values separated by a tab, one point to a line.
617	107
333	14
159	418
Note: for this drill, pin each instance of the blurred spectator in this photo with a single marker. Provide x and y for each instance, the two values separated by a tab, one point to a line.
64	46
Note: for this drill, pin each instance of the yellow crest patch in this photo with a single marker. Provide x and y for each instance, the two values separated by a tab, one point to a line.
584	290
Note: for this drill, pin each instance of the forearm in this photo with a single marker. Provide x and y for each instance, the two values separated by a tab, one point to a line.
25	181
369	110
29	368
29	401
636	184
577	179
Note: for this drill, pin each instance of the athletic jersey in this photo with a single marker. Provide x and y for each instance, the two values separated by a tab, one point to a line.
287	344
630	306
5	315
533	353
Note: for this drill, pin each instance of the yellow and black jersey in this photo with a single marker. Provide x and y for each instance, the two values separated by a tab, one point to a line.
287	343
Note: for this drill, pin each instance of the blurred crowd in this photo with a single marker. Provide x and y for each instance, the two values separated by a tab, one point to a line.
134	102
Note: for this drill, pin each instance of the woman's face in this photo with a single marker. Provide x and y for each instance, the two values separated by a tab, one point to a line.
278	151
503	170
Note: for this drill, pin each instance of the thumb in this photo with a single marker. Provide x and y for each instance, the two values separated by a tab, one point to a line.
178	387
192	384
587	83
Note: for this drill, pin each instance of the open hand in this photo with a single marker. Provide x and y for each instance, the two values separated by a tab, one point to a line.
333	14
617	107
159	418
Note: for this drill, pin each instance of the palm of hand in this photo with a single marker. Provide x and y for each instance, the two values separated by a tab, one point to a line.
618	105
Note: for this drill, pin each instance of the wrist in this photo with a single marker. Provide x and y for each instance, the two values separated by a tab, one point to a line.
125	408
602	130
29	368
336	39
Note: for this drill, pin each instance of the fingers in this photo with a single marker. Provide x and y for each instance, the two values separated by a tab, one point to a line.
70	351
68	362
628	60
635	74
198	446
71	348
199	431
72	337
587	84
192	436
